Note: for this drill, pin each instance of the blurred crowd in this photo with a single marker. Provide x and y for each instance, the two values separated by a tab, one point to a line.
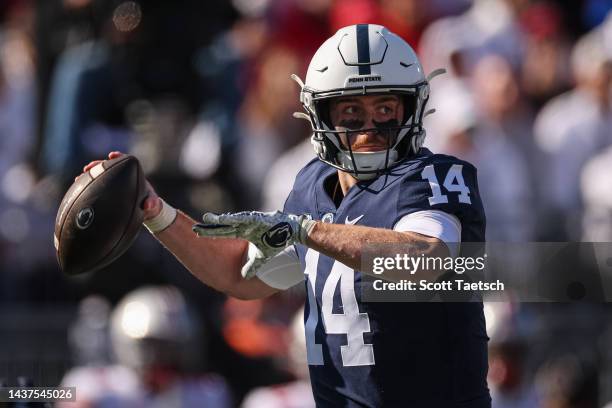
200	93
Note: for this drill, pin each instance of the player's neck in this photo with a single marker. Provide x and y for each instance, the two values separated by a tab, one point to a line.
338	187
346	181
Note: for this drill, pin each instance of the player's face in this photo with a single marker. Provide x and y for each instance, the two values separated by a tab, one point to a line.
367	112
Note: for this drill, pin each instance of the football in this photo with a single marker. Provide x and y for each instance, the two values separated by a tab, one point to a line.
100	215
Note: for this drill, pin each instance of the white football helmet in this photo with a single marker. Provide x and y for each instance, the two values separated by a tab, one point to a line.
365	59
154	326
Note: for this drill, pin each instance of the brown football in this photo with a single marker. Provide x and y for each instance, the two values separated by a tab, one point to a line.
100	215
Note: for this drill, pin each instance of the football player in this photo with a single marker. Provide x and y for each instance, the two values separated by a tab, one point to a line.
372	182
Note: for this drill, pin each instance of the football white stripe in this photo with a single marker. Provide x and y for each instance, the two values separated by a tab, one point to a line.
97	170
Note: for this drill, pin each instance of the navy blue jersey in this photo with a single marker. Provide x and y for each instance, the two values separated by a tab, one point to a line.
374	354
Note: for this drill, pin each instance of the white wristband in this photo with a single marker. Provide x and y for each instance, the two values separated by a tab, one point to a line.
163	220
306	227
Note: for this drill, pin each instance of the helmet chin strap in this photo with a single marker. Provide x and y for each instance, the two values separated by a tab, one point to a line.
373	162
364	176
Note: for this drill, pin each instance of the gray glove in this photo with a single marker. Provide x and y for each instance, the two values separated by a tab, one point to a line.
269	232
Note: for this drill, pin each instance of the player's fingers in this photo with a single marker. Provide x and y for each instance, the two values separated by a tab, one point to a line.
115	154
210	218
90	165
151	207
228	219
214	231
214	226
234	219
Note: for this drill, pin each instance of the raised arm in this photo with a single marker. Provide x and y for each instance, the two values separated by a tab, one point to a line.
270	232
216	263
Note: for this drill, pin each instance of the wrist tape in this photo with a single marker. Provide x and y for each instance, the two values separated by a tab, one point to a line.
306	226
163	220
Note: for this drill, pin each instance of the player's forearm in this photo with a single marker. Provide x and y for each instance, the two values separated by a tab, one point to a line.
217	263
348	244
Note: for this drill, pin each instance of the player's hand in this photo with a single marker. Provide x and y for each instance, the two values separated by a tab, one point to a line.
270	233
152	205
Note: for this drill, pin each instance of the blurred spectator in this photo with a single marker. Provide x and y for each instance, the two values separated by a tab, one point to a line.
500	104
259	332
508	376
443	8
264	123
99	382
545	71
294	394
17	99
249	331
103	387
500	101
456	43
406	18
79	86
227	68
597	198
83	98
139	51
300	25
502	176
567	382
280	178
59	25
573	127
249	68
226	65
158	343
89	335
25	207
348	12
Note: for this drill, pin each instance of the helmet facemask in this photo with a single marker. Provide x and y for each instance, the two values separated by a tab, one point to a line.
332	143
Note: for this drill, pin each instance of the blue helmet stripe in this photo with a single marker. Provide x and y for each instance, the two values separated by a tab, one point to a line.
363	49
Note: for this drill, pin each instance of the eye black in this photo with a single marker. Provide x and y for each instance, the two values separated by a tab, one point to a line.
353	124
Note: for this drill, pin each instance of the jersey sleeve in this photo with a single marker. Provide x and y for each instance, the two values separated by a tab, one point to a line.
448	185
433	223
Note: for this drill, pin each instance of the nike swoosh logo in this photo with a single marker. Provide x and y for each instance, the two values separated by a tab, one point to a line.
354	221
